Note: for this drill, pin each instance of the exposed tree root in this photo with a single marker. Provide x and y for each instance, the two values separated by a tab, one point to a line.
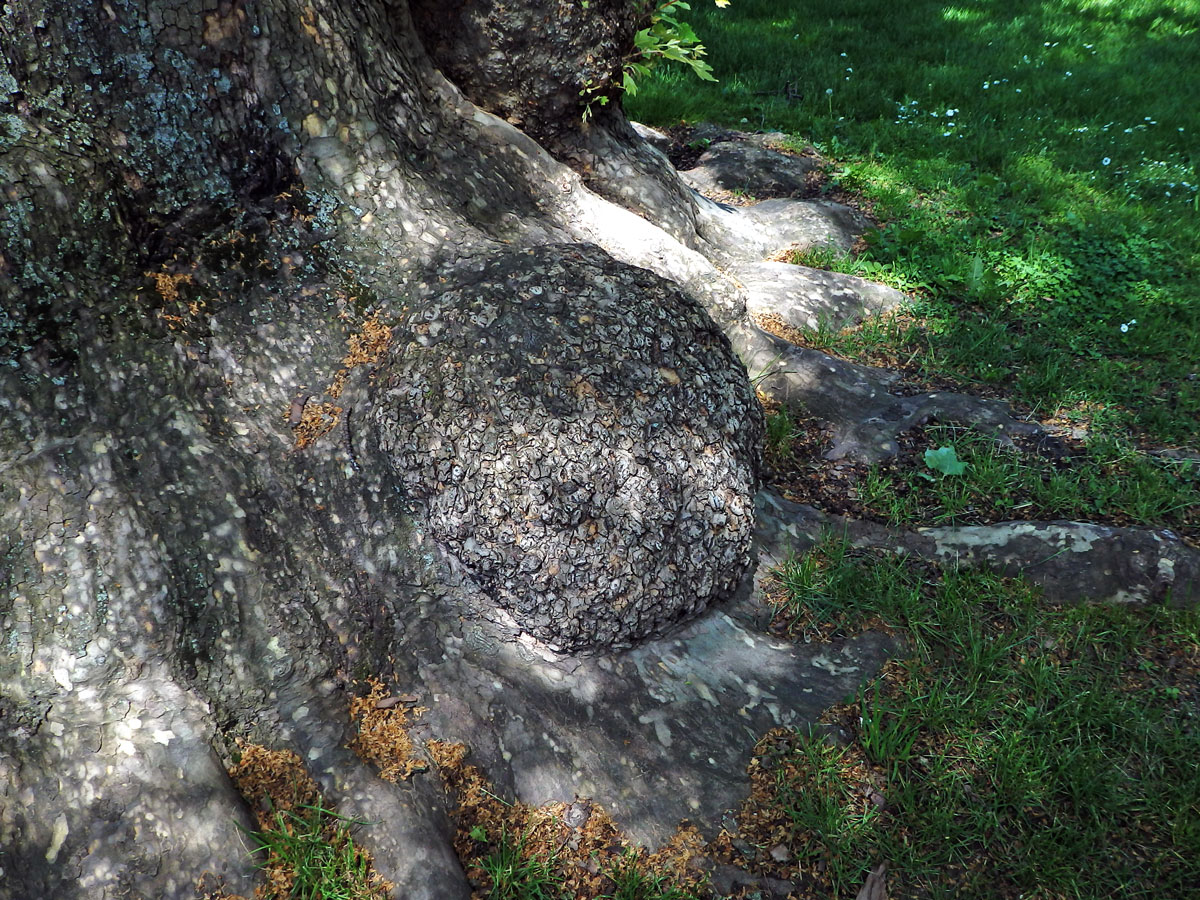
655	734
736	283
805	298
1073	562
854	398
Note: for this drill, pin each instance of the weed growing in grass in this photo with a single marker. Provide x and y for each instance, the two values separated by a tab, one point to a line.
1112	482
835	260
1019	750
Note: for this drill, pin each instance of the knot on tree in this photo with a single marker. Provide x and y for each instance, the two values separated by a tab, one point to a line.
584	439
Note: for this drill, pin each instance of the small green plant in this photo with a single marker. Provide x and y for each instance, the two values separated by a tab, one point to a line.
774	367
833	828
830	583
888	732
665	38
944	460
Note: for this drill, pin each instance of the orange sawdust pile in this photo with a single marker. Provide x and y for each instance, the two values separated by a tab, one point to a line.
366	348
383	723
315	420
177	312
273	781
580	839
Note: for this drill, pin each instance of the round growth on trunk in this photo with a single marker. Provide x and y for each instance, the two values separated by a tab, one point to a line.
584	439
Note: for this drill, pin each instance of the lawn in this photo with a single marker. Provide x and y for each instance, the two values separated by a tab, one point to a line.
1018	750
1034	168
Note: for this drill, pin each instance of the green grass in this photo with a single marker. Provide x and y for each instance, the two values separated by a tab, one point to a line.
631	881
1111	482
517	875
514	873
781	432
1017	751
311	855
1034	216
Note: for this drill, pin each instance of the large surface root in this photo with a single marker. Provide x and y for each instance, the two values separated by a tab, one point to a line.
855	398
656	734
1073	562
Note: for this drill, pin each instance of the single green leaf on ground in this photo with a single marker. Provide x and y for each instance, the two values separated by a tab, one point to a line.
945	460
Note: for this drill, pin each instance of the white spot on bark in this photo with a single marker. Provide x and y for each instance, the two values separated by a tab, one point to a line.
56	839
828	665
63	677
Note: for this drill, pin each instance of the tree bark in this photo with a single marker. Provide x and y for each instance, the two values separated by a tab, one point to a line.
553	68
313	369
215	215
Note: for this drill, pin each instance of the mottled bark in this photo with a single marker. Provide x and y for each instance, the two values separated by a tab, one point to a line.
209	209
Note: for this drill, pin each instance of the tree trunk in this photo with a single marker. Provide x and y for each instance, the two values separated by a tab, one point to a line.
216	220
315	370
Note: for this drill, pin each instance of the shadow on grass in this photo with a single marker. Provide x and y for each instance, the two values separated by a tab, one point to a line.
1035	167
